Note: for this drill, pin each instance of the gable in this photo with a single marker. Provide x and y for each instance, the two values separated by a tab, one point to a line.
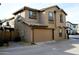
44	9
54	8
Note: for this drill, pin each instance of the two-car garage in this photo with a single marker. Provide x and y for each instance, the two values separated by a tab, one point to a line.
42	35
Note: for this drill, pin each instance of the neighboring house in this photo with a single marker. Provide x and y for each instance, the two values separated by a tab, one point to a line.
75	27
41	25
9	22
69	26
72	28
0	23
78	29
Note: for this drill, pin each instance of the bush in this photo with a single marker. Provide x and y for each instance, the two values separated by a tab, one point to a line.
17	39
1	42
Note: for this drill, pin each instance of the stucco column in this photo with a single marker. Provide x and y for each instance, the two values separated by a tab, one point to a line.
44	18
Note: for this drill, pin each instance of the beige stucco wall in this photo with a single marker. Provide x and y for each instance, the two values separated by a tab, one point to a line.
58	23
43	18
56	34
24	31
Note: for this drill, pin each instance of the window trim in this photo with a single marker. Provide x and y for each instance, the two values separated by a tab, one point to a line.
52	17
33	15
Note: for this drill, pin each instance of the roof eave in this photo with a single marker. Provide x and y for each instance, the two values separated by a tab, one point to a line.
25	8
49	7
63	11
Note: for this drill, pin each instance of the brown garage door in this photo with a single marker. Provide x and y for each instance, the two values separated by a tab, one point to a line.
41	35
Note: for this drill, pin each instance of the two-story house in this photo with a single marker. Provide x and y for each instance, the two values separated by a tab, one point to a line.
69	26
75	27
78	28
41	25
72	28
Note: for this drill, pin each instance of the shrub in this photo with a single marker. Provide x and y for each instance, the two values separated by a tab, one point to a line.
1	42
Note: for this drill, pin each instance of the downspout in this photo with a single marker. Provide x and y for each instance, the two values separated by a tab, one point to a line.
33	42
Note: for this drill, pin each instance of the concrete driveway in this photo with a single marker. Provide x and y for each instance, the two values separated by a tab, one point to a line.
66	47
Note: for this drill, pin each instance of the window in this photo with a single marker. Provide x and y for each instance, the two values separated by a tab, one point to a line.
50	16
7	24
74	26
61	18
60	32
32	14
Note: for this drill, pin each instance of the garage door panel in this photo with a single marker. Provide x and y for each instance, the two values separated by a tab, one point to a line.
41	35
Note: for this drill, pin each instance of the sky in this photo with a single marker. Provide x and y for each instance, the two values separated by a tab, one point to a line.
8	7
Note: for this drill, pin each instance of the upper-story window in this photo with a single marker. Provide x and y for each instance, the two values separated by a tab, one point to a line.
61	18
7	24
32	14
50	16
